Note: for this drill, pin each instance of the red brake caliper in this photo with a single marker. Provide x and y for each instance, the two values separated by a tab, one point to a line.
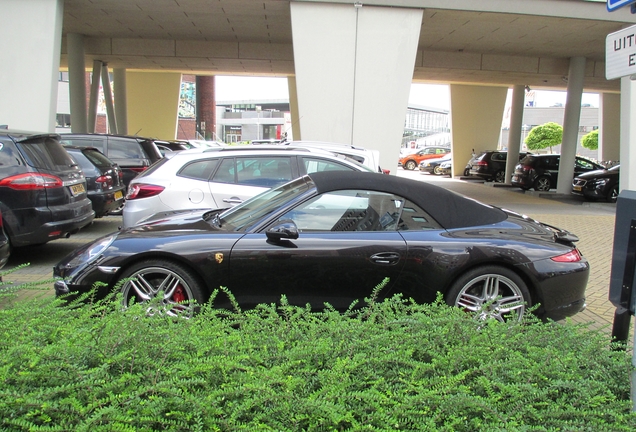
179	295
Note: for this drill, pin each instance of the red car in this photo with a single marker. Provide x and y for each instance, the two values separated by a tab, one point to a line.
412	161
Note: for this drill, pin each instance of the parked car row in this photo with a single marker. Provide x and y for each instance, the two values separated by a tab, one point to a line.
300	199
540	172
43	191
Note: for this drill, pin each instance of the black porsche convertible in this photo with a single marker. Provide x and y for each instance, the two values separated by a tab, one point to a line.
332	237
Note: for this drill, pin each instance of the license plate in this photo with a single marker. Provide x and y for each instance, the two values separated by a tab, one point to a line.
577	188
77	189
119	195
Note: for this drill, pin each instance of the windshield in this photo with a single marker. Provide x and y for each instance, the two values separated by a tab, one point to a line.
255	208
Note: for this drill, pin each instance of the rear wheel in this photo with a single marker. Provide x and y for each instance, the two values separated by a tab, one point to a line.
500	176
180	291
410	165
490	292
543	184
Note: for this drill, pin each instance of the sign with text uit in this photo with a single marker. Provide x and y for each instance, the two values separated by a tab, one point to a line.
615	4
620	53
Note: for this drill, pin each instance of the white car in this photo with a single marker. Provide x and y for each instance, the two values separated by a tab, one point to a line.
222	177
368	158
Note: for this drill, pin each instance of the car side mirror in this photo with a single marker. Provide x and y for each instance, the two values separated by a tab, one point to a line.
285	230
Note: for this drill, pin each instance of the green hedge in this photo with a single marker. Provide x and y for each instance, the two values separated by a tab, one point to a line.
385	367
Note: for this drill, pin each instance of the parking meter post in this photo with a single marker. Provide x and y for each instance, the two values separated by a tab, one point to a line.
620	327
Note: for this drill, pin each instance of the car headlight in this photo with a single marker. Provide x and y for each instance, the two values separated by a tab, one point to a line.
601	182
92	251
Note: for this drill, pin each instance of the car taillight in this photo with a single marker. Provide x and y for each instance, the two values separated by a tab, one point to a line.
386	171
104	181
481	163
573	256
140	190
31	181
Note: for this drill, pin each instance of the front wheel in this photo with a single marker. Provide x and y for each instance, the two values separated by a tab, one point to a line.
437	170
542	184
490	292
181	292
410	165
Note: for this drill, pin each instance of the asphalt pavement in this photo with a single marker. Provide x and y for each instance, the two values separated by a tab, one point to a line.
593	223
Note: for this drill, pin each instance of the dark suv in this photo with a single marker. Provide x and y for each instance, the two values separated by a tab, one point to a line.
132	154
490	165
541	172
42	190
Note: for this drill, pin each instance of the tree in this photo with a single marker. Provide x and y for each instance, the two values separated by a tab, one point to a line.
590	140
545	135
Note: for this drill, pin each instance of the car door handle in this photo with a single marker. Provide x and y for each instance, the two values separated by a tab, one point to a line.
233	200
385	258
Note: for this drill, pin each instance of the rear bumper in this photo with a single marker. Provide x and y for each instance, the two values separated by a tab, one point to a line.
41	225
105	202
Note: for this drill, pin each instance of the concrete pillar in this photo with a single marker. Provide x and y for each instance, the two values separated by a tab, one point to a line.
293	107
94	96
514	133
475	120
206	107
609	136
153	103
354	66
121	108
77	82
628	135
108	99
31	32
571	120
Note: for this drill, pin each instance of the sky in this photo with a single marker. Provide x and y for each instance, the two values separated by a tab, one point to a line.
429	95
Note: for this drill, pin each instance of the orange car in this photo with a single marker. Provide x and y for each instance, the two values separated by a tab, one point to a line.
412	161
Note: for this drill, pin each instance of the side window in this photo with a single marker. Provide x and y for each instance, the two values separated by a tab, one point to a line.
264	171
199	170
9	157
226	172
84	142
413	218
584	164
313	165
348	210
124	149
550	163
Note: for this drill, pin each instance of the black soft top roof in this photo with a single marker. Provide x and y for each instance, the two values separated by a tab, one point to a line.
449	209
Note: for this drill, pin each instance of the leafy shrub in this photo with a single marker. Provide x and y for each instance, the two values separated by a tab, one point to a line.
387	366
590	140
543	136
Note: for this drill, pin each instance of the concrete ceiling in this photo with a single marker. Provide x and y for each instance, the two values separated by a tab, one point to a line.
254	37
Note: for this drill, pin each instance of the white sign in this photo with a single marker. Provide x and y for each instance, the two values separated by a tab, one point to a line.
620	53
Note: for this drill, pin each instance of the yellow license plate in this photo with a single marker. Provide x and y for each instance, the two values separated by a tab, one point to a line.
77	189
119	195
577	188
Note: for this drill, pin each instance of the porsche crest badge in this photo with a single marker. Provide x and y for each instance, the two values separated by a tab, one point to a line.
218	257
